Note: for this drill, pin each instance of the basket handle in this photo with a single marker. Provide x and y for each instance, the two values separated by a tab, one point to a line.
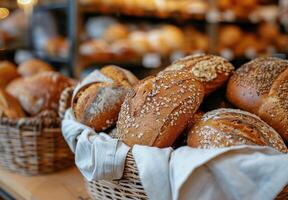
65	101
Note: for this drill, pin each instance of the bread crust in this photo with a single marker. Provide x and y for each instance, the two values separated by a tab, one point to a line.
232	127
40	92
159	108
98	104
9	106
8	72
260	87
212	71
32	67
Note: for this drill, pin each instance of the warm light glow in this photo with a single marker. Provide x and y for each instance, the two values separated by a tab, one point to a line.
26	2
4	12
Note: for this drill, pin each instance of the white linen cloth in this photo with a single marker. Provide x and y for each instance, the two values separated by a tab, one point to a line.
242	172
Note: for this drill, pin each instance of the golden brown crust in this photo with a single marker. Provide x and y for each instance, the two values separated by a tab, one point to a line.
159	108
231	127
260	87
119	75
211	70
33	66
40	92
8	72
98	104
274	109
9	106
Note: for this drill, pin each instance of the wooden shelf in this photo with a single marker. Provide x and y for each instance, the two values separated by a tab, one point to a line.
67	184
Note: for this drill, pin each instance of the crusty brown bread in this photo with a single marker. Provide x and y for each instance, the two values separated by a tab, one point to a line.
33	66
119	75
8	72
274	108
9	106
260	87
211	70
159	108
39	92
98	104
231	127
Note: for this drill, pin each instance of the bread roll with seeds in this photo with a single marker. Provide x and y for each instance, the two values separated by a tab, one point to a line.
211	70
33	66
40	92
159	108
8	72
9	106
232	127
97	103
260	87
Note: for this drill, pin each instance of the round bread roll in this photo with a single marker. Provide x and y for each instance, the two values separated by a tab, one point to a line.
33	66
40	92
231	127
8	72
9	106
158	109
173	36
139	42
57	46
98	104
116	32
269	31
260	87
230	36
211	70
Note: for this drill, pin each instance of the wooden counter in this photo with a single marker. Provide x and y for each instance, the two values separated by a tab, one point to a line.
64	185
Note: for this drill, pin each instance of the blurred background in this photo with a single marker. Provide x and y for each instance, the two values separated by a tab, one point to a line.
76	36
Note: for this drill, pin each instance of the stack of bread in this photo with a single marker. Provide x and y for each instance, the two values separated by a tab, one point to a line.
161	8
121	40
241	43
31	88
159	110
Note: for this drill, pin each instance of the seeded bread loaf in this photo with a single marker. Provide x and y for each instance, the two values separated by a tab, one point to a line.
40	92
97	104
211	70
159	108
8	72
261	87
231	127
33	66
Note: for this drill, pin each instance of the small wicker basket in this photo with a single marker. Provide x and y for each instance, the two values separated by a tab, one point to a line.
129	187
33	146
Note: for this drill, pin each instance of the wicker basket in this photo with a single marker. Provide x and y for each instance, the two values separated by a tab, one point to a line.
129	187
32	146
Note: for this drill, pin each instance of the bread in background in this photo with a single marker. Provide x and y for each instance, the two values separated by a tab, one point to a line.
40	92
32	67
8	72
9	106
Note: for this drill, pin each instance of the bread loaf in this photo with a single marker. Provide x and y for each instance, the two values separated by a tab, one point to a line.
9	106
8	72
231	127
260	87
40	92
98	104
159	108
33	66
211	70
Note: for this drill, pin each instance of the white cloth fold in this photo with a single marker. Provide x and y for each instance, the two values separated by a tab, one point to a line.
241	172
97	155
